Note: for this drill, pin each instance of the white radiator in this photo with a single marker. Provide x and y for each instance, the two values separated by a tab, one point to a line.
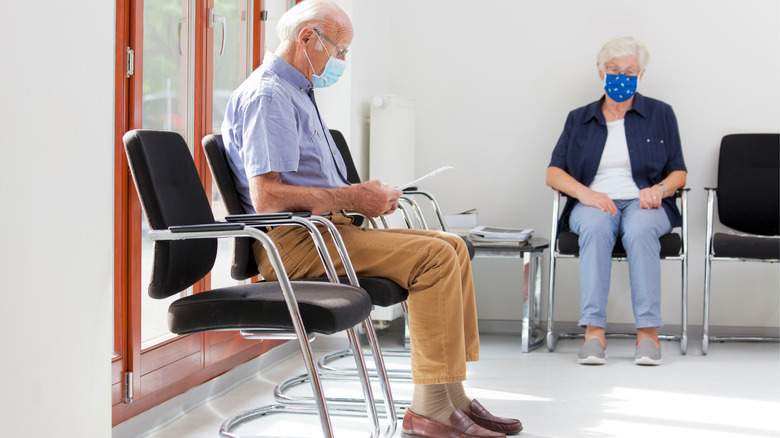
392	148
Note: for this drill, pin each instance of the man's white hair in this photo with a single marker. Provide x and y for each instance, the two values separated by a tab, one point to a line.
622	47
314	13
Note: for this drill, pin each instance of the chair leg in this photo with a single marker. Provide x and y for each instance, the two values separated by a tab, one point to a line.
346	406
319	397
365	382
684	307
705	339
552	337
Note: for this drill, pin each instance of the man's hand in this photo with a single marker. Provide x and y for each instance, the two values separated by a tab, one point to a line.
375	198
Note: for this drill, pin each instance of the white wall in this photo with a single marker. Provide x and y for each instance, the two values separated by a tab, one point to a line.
494	81
56	116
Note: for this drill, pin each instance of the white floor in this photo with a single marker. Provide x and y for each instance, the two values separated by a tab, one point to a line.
732	392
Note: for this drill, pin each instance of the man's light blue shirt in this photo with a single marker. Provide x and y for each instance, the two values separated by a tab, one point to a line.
272	125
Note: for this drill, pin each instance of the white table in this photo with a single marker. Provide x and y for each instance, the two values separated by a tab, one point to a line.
532	336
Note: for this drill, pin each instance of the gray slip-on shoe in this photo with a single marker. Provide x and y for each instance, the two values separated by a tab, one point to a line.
648	352
593	352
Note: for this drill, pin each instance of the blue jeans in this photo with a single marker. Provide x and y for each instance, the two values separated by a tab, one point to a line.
639	229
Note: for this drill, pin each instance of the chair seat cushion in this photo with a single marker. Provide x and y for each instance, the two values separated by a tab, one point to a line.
383	292
324	307
745	247
671	245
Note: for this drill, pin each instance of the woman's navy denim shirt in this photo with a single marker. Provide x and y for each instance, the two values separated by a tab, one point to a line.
653	148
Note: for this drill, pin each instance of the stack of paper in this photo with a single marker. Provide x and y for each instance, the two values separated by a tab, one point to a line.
500	236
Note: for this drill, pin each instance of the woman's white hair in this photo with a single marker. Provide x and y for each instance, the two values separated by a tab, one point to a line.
622	47
314	13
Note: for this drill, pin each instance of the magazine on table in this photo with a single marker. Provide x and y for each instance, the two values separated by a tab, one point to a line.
485	234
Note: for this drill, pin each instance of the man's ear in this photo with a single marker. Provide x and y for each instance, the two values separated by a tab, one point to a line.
305	35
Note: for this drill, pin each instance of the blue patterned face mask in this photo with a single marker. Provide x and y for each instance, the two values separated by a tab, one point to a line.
620	88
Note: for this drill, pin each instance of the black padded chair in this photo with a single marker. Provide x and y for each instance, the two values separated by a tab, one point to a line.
748	199
674	246
382	292
184	233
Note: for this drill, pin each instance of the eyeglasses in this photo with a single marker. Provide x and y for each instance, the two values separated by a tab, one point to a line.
339	51
614	70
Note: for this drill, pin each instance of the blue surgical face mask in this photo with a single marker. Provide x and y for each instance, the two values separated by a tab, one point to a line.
620	88
333	71
334	68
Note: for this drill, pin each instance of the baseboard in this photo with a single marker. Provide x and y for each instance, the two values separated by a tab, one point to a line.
172	409
513	327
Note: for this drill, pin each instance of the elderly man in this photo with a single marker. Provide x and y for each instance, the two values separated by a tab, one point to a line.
285	160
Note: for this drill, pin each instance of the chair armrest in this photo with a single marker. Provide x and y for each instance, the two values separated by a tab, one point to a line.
218	226
434	204
242	229
255	218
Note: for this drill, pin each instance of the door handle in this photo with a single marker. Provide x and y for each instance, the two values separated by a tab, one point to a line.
214	18
178	36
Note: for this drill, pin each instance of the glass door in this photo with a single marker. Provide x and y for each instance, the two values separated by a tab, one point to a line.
177	62
166	105
230	64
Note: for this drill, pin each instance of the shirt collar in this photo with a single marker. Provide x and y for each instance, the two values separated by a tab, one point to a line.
594	109
287	72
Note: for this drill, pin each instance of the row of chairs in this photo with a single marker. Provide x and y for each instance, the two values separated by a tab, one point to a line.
184	232
748	202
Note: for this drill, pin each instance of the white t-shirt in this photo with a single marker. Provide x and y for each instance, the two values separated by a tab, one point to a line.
614	174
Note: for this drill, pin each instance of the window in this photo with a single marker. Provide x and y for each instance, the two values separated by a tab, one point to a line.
172	73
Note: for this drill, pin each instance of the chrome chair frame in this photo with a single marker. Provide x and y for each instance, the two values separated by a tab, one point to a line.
379	370
708	259
682	257
149	152
190	232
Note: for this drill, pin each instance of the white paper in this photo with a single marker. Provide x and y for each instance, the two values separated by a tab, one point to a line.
489	232
423	178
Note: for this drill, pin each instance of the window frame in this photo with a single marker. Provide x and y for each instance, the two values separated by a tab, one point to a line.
170	368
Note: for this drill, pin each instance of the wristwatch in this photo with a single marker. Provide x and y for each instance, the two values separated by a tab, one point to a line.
663	187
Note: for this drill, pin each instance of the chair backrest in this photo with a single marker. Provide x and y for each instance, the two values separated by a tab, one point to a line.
243	265
171	194
749	183
341	143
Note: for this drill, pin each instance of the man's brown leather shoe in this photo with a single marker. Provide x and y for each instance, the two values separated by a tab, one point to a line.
483	418
462	427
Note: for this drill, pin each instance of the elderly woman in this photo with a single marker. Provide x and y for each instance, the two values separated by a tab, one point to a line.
620	161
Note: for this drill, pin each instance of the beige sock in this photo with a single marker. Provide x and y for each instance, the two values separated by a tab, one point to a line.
432	401
458	397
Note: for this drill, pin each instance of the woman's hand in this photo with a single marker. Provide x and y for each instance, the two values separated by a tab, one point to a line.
598	200
651	197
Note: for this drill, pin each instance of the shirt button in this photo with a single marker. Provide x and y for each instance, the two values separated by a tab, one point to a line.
648	140
662	142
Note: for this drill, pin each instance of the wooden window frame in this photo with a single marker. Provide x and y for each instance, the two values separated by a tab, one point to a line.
168	369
